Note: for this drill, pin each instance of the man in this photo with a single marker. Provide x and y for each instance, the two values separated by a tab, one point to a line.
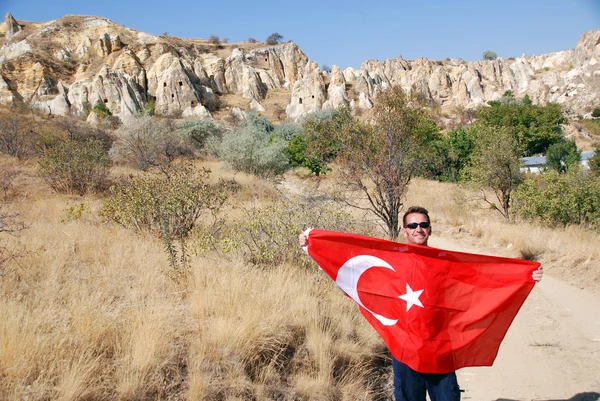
410	385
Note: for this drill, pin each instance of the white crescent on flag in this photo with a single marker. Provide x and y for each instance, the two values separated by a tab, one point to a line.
349	274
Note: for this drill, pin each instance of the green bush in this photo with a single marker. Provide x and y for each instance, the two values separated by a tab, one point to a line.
73	166
596	112
255	149
167	205
101	110
560	199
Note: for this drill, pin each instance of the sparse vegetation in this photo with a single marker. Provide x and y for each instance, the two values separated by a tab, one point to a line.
274	38
75	167
255	149
489	55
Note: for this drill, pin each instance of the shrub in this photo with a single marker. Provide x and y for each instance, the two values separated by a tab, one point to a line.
101	110
489	55
274	38
17	137
255	149
596	112
252	40
200	132
215	41
166	205
74	166
150	107
268	234
145	142
560	199
287	131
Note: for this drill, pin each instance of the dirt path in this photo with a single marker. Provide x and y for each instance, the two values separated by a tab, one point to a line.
551	351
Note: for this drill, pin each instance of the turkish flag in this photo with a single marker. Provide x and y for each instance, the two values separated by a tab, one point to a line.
437	310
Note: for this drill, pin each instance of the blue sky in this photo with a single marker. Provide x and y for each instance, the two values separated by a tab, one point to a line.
348	33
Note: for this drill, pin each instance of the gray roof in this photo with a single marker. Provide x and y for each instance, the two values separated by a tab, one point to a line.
532	161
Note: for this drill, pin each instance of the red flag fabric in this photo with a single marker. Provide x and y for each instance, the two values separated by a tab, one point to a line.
437	310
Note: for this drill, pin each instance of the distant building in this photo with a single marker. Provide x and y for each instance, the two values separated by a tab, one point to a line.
536	164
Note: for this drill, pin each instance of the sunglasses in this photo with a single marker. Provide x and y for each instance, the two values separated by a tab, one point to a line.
424	224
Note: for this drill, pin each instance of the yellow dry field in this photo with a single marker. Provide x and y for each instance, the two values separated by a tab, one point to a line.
90	311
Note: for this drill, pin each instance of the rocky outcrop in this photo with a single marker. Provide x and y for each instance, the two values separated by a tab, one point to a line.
73	63
12	26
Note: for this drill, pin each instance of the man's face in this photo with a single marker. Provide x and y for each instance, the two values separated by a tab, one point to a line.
418	235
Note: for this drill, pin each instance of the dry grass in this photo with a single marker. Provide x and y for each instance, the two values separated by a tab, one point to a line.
91	313
89	310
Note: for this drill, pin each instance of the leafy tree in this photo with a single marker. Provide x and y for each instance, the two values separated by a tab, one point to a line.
379	160
454	154
489	55
562	155
495	165
274	38
320	143
535	127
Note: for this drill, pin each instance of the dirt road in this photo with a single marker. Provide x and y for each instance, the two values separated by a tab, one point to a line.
551	351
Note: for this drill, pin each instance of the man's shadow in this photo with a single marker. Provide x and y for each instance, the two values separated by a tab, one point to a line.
588	396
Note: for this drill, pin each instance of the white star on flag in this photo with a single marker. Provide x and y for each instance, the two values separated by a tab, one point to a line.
411	297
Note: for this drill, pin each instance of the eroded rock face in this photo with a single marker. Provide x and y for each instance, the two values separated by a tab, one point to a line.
103	62
12	26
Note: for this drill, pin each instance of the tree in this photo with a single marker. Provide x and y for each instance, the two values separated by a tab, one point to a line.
274	38
535	127
379	160
495	165
562	155
215	41
320	142
596	112
489	55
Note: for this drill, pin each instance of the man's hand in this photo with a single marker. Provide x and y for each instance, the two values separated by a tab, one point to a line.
537	274
302	240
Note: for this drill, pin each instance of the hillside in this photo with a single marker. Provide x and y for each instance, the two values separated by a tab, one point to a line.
68	65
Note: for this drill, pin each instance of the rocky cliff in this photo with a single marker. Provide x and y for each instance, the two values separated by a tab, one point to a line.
76	62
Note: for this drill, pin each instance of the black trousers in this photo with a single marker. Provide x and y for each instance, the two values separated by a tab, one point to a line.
410	385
